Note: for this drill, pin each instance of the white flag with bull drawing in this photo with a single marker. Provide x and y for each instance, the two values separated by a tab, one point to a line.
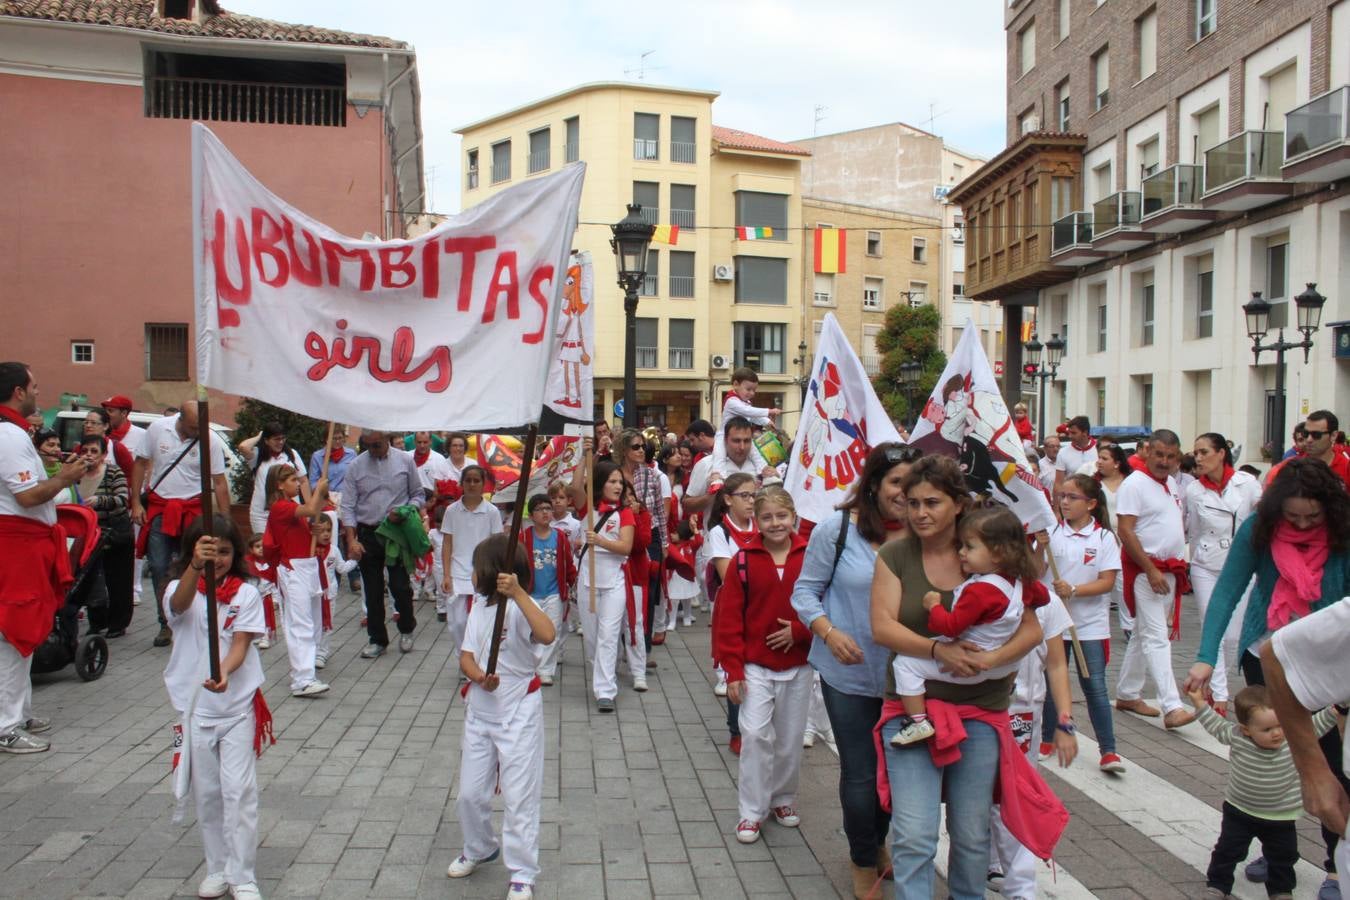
966	418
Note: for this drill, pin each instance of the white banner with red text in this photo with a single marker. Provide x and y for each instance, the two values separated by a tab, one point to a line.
966	418
842	420
456	328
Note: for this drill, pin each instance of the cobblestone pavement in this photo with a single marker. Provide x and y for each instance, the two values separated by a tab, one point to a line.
357	794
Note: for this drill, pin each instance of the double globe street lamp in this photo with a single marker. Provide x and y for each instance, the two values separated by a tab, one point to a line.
1035	368
1257	311
632	237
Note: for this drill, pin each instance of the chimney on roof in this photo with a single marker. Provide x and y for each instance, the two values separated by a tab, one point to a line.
187	10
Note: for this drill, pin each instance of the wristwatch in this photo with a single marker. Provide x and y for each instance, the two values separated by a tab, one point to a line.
1066	727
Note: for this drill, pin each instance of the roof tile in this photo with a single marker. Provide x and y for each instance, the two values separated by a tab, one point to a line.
744	140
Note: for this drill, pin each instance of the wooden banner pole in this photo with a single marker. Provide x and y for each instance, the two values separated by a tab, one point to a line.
327	452
1073	631
513	541
208	530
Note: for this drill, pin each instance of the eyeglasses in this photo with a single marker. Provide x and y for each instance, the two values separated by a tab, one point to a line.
895	455
1315	435
744	495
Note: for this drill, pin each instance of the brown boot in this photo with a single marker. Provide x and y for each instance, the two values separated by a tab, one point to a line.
864	879
1138	707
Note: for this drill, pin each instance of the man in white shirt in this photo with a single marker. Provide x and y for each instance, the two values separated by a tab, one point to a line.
1080	451
1048	465
29	588
168	469
431	466
710	471
1153	538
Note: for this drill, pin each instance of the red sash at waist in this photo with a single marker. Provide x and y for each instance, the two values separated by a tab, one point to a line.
34	577
1171	566
178	515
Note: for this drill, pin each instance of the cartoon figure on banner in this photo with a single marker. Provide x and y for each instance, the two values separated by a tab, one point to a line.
976	422
826	393
572	339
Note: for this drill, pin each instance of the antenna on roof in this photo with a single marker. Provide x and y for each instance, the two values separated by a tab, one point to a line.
820	117
642	67
934	115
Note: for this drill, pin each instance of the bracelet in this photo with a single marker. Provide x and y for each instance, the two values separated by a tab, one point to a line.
1073	589
932	650
195	567
824	637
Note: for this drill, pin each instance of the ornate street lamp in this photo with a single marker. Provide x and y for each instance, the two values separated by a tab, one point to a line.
910	373
1035	368
1257	313
632	237
801	362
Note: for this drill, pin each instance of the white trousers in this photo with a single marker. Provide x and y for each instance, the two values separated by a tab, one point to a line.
1202	583
301	617
817	720
772	720
1149	651
1006	853
509	755
1123	614
456	620
16	687
553	606
603	633
225	786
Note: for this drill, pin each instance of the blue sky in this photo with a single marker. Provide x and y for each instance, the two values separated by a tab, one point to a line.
867	61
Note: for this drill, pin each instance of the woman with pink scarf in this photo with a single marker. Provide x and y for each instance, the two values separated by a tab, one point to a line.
1297	545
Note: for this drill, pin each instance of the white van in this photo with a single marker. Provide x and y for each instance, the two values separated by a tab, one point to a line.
69	425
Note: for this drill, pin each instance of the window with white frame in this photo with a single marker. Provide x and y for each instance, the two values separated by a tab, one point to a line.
1061	197
82	352
872	293
1277	280
1146	310
1148	158
1146	40
1097	298
1063	18
1103	184
918	293
959	231
1204	298
871	356
501	162
646	136
874	243
1026	43
1062	105
822	293
1101	78
539	158
681	343
471	169
920	250
1206	17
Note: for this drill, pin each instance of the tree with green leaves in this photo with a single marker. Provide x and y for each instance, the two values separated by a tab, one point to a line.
303	433
910	334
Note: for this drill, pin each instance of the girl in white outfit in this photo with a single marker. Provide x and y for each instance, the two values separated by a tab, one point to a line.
1218	501
602	623
225	721
290	543
261	452
503	743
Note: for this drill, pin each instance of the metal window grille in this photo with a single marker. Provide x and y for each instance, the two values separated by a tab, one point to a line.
244	101
166	352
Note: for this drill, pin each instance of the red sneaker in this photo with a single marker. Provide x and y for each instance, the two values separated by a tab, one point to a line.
1111	762
1047	750
363	621
735	744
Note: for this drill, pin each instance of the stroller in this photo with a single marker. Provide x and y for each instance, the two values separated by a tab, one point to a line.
63	646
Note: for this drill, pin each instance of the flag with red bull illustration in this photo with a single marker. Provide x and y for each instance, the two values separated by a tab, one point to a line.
841	421
965	418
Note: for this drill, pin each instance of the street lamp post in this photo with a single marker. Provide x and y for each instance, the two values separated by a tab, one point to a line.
1035	368
801	363
910	372
1257	312
632	237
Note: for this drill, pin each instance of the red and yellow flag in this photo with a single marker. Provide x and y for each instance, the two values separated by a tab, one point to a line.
666	234
831	244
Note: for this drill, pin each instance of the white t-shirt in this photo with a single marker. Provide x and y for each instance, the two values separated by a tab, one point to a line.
1157	508
436	468
666	490
1029	689
1071	460
162	446
571	526
710	472
468	528
1046	470
720	543
21	470
257	506
517	660
1083	556
188	661
608	564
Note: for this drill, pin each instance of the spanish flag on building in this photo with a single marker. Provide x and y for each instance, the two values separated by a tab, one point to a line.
666	234
831	244
760	233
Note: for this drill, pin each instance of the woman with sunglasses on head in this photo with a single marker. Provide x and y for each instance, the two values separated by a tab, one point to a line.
1215	505
831	598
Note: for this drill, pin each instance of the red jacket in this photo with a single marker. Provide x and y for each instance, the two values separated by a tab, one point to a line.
637	558
567	566
742	625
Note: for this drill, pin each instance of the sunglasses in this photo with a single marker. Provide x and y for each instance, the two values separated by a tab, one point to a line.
636	447
896	455
1315	435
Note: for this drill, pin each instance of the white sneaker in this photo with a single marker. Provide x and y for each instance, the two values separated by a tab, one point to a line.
696	603
463	867
519	890
313	689
546	680
720	689
688	620
213	886
262	643
20	742
809	739
320	661
640	683
246	891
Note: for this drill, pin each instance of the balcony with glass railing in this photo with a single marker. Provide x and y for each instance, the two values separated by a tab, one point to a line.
646	357
1172	199
1115	223
683	151
682	286
681	357
1243	172
1317	138
683	218
1071	240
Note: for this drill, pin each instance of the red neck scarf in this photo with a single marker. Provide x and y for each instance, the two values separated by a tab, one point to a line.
605	506
9	414
226	587
421	456
337	453
1222	483
1300	557
893	524
121	431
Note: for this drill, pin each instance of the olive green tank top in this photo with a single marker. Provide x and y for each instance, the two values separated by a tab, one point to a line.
904	557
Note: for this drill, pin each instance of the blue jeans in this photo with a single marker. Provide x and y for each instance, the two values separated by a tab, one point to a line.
917	791
852	718
1094	692
160	552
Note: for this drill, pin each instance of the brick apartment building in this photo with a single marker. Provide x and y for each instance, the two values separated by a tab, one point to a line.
1165	160
98	99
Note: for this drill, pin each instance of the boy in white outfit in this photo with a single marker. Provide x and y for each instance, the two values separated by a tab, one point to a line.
468	522
333	567
740	403
503	743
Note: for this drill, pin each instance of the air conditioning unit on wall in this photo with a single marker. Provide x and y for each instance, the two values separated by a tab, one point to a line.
719	361
723	272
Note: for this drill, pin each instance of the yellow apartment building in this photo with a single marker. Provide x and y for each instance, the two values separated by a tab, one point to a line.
710	302
892	258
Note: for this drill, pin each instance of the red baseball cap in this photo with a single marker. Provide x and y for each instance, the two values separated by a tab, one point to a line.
118	401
